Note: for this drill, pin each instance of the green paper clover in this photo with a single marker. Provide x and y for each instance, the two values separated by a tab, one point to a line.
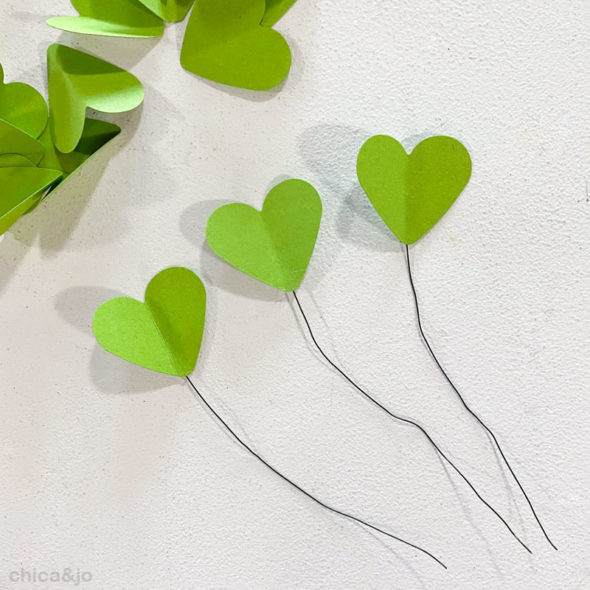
412	192
172	11
111	18
22	106
275	10
95	135
274	245
78	81
163	334
226	42
22	188
14	141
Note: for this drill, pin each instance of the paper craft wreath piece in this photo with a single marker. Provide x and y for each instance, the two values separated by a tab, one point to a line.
226	42
78	81
412	192
163	334
273	245
111	18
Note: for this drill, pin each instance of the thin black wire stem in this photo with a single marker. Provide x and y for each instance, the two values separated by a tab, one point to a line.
406	421
464	402
199	396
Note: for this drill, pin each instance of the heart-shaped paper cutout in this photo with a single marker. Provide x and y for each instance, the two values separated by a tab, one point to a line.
15	141
225	42
22	106
163	334
275	9
21	188
273	245
412	192
110	18
78	81
172	11
95	135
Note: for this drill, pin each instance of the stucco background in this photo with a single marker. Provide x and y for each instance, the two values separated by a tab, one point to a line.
115	470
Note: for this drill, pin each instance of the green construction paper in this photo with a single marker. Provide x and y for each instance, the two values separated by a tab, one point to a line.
172	11
275	9
78	81
273	245
95	135
20	189
110	18
15	141
412	192
14	161
163	334
225	42
22	106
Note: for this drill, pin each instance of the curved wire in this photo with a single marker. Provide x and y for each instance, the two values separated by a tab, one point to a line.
406	421
465	404
201	398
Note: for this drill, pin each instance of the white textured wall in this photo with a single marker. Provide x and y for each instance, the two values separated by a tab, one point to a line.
109	468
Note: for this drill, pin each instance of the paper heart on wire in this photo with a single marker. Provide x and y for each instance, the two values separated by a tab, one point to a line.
110	18
274	245
162	334
412	192
78	81
22	106
226	42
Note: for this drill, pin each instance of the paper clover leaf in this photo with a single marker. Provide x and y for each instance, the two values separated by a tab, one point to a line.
22	106
78	81
111	18
274	245
171	11
412	192
22	188
15	141
163	334
95	135
275	9
226	42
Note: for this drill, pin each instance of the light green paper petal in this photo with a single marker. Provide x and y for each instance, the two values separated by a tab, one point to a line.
225	42
275	10
20	189
95	135
22	106
78	81
163	334
274	245
412	192
15	141
110	18
171	11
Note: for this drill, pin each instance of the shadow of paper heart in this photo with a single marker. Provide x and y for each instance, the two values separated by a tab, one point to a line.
193	222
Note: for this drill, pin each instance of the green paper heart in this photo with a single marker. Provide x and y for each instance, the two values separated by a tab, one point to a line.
226	43
95	135
110	18
172	11
163	334
412	192
15	141
20	189
273	245
22	106
275	9
78	81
